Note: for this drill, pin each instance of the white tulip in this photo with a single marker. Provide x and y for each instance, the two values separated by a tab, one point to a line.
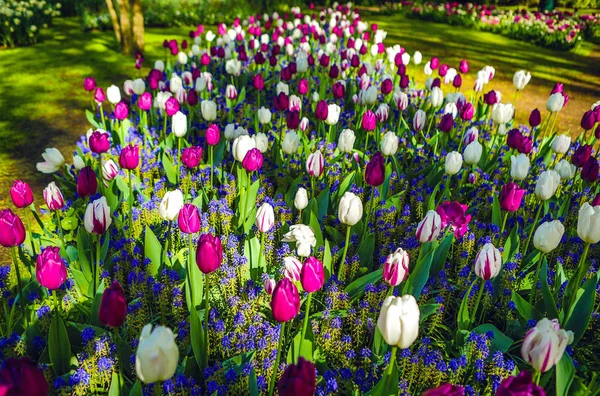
113	94
547	184
561	144
429	228
315	163
417	58
521	79
502	113
241	146
175	84
159	65
139	86
555	102
346	141
157	354
78	162
548	236
292	268
53	161
588	223
436	97
453	162
264	115
398	321
333	114
170	205
419	120
472	153
350	210
488	262
179	124
544	345
565	169
261	142
265	218
301	198
97	216
291	143
304	237
389	143
208	109
519	166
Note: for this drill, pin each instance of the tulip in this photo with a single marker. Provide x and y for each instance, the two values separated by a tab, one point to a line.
157	354
253	160
265	218
53	161
145	101
333	114
292	268
110	170
179	124
522	384
269	286
99	96
369	121
547	184
97	216
22	377
213	135
588	120
555	102
258	82
453	163
502	113
99	141
521	79
389	144
191	157
285	301
170	205
565	169
511	197
454	214
491	98
208	108
472	153
535	118
87	184
375	170
241	146
429	228
548	235
419	120
53	197
590	170
581	155
395	268
189	219
209	254
12	231
113	306
588	223
561	144
129	157
322	110
301	199
346	141
315	163
89	84
304	237
312	275
298	379
488	262
446	123
398	321
291	143
121	111
514	139
350	209
436	97
21	194
113	94
544	345
50	270
264	116
519	167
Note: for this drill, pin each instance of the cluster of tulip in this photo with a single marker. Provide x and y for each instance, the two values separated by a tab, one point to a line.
282	207
556	29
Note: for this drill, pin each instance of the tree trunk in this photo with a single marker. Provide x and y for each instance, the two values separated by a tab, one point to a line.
114	19
138	25
125	21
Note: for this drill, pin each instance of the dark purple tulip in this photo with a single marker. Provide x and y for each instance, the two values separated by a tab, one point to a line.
12	231
514	138
191	156
581	155
535	118
375	170
457	82
130	157
272	60
298	379
145	101
401	69
511	197
189	219
596	200
597	132
490	98
590	170
339	90
209	254
445	390
334	72
113	306
467	112
22	377
446	123
355	61
588	120
404	81
324	60
192	97
121	111
89	84
464	66
387	86
293	119
526	145
322	110
21	194
87	184
436	83
521	385
282	102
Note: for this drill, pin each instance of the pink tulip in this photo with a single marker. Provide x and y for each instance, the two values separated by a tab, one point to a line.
209	254
285	302
50	270
189	219
21	194
12	232
312	275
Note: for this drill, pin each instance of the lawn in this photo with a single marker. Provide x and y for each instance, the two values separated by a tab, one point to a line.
42	99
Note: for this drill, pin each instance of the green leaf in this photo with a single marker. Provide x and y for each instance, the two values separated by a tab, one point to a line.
327	261
418	277
388	385
500	342
549	302
440	255
81	282
307	346
579	317
431	204
90	117
197	338
96	305
323	203
137	389
316	225
59	346
496	212
366	249
115	387
356	288
526	311
153	251
464	318
338	237
238	362
169	168
344	186
565	373
252	384
427	310
511	246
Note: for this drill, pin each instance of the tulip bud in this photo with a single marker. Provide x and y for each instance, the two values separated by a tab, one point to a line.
519	167
429	228
213	135
555	102
535	118
369	121
21	194
398	321
265	218
209	254
241	146
157	354
419	120
89	84
121	111
179	124
547	184
548	236
298	379
590	170
312	275
291	143
315	163
561	144
270	285
285	302
253	160
588	223
350	209
12	232
97	216
544	345
521	79
113	306
511	197
333	114
453	163
191	156
53	197
129	157
50	270
472	153
301	199
189	219
99	141
395	268
375	170
346	141
170	205
87	184
110	170
389	144
488	262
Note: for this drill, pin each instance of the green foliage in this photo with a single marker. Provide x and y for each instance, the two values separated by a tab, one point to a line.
21	21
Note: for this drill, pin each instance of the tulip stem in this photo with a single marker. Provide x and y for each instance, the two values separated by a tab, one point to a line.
390	366
503	224
276	365
212	171
261	253
20	290
167	242
59	229
179	160
535	279
348	228
575	282
246	197
206	315
536	377
117	363
97	264
537	216
305	325
476	306
131	200
30	234
189	270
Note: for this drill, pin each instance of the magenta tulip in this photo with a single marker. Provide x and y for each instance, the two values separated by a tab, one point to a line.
521	385
21	194
464	66
89	84
12	232
209	254
369	121
99	95
298	379
145	101
99	141
303	86
213	135
171	106
130	157
285	301
50	270
445	390
191	156
258	82
189	219
453	214
113	306
121	111
312	275
253	160
511	197
322	110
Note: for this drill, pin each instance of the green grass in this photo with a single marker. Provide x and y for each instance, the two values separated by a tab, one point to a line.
42	102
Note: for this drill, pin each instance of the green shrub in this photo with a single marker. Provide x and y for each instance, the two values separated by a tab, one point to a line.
21	21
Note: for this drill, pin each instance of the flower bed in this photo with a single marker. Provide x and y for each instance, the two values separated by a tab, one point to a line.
279	207
21	21
558	30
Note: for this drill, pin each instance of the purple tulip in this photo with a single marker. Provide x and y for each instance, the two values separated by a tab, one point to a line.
171	106
589	171
189	219
535	118
581	155
192	98
12	232
253	160
99	95
258	82
445	390
511	197
334	72
369	121
50	270
298	379
588	120
303	86
446	123
521	385
130	157
404	81
526	145
490	98
113	306
387	86
209	254
191	156
99	142
285	301
514	139
21	194
121	111
434	63
467	112
89	84
339	90
293	119
464	66
22	377
312	275
322	110
457	82
375	170
282	102
558	87
87	183
443	70
454	214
